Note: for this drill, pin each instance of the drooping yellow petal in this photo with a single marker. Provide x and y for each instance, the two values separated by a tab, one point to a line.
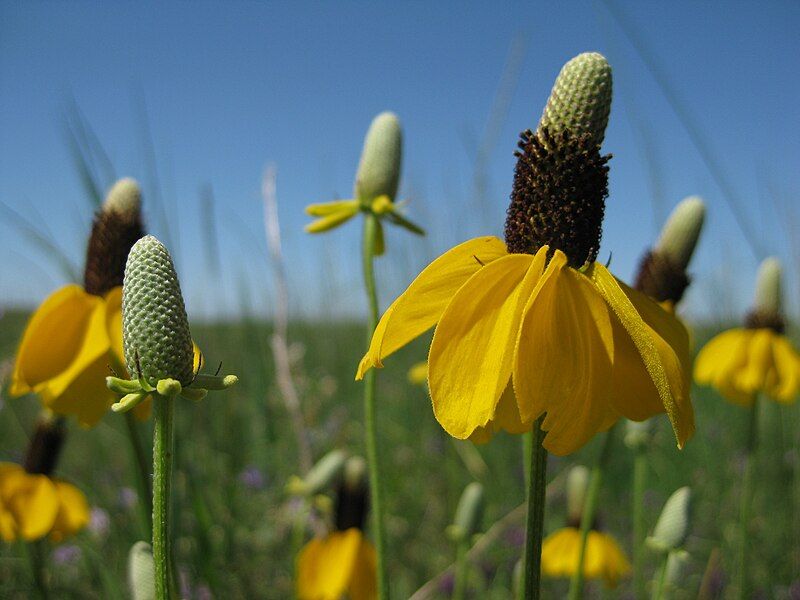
506	417
420	307
787	366
323	209
8	526
758	367
471	356
560	552
114	328
563	359
364	581
722	357
662	343
31	499
603	559
73	511
53	338
325	565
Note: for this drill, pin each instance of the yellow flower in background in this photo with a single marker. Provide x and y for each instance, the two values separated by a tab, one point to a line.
516	337
604	558
67	349
376	184
343	562
75	336
758	358
418	373
532	325
33	506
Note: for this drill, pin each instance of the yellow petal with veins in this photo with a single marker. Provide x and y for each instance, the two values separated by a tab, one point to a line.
325	565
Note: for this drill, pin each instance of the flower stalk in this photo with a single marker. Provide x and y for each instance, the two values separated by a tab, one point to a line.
589	511
747	491
370	239
163	443
639	527
534	524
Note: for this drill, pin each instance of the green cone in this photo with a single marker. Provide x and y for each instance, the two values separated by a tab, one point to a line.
156	337
379	168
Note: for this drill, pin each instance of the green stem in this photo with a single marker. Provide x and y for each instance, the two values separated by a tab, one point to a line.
658	591
527	453
163	442
639	529
744	508
142	468
460	586
589	510
370	423
534	525
35	551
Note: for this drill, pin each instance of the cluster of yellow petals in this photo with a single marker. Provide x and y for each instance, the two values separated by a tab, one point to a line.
33	506
69	346
518	336
604	559
742	363
343	562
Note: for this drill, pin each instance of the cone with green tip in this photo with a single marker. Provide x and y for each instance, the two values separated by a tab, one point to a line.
767	311
117	226
469	513
141	572
662	272
577	486
325	473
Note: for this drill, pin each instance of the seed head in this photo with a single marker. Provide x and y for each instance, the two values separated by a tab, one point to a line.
156	337
379	169
767	311
141	572
672	526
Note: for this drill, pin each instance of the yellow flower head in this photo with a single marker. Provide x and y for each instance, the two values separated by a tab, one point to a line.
532	325
33	505
343	562
757	358
376	183
604	558
76	334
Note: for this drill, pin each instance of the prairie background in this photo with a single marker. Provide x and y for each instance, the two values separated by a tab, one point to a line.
705	103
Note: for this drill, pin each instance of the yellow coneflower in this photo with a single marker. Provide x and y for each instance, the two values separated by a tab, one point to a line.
344	561
33	503
75	336
604	559
561	550
532	325
757	358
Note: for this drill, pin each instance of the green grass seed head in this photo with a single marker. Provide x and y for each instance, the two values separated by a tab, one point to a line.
580	101
156	337
379	169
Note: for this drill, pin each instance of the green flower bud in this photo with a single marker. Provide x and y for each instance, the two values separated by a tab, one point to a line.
577	486
638	433
677	561
581	98
379	168
156	337
355	473
469	513
769	288
672	526
681	231
322	475
141	572
124	198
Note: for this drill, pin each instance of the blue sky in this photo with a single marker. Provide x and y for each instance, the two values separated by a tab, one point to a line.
231	87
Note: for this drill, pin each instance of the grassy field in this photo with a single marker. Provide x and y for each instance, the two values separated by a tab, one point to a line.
235	452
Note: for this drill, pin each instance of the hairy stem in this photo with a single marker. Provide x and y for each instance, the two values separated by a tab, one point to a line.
747	492
163	441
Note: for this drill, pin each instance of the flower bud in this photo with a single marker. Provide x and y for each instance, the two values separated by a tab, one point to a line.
681	231
379	169
638	433
124	198
577	486
141	572
581	98
672	526
469	512
156	337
